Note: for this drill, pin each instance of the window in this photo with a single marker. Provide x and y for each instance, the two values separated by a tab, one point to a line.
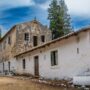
9	40
54	58
77	50
26	36
35	40
24	64
43	38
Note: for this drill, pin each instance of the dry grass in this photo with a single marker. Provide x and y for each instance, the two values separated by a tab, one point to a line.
14	84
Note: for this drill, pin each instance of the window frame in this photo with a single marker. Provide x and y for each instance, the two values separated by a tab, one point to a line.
35	41
43	38
54	58
26	36
77	50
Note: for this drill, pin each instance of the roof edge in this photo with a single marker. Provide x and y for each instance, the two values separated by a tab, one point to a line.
53	41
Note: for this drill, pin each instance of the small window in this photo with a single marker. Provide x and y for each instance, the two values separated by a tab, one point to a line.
24	64
43	38
54	58
26	36
9	40
35	40
77	50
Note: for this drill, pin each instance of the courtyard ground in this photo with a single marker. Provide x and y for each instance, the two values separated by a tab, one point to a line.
7	83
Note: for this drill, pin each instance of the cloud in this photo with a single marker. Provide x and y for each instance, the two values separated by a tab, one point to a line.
12	16
79	7
17	11
45	5
41	1
15	3
76	7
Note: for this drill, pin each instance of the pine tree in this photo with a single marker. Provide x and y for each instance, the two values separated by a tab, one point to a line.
59	18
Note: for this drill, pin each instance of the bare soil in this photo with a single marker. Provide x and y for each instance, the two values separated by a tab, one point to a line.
7	83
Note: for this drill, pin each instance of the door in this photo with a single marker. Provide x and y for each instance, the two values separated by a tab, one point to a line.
9	66
36	65
3	67
35	41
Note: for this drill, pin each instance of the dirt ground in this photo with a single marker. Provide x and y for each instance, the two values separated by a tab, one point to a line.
7	83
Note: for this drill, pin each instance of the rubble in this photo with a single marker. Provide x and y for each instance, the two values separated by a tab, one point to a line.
62	83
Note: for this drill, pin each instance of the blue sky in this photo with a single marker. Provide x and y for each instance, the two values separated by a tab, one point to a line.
17	11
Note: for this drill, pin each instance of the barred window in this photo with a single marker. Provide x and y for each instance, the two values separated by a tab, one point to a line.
26	36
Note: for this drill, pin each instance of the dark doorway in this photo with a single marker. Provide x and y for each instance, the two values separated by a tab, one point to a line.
24	64
36	65
35	41
3	67
9	66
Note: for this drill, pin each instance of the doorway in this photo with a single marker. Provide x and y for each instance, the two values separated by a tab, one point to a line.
3	67
36	66
9	66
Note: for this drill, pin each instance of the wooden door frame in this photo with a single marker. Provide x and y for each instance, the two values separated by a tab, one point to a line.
36	66
3	67
9	65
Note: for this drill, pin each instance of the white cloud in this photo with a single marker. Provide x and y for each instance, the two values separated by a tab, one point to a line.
79	7
75	7
24	2
13	3
45	5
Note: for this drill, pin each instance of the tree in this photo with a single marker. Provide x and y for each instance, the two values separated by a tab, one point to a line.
59	18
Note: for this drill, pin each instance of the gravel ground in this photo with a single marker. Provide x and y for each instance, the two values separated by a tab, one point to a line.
7	83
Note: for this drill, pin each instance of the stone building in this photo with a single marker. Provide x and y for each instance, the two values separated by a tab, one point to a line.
28	49
30	35
21	38
63	58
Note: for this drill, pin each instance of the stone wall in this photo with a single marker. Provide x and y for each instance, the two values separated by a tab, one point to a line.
6	48
18	44
34	28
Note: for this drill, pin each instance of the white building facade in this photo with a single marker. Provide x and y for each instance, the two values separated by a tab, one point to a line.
62	58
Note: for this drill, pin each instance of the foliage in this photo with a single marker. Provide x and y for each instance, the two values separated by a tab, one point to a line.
59	18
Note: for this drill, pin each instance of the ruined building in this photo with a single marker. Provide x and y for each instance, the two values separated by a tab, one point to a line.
23	37
27	48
